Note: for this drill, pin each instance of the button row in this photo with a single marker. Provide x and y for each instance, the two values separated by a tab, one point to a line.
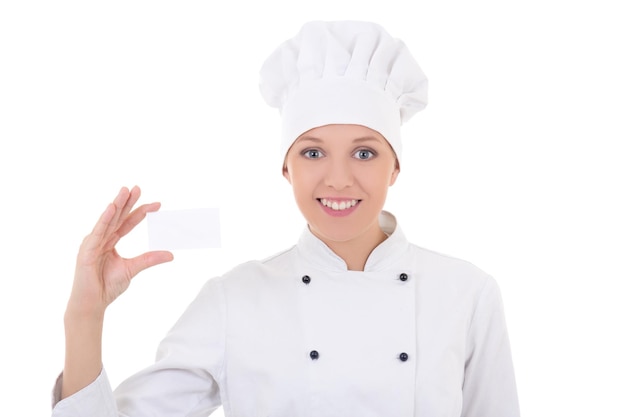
307	279
314	354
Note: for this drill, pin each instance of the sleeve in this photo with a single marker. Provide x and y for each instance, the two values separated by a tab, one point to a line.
95	400
183	381
489	388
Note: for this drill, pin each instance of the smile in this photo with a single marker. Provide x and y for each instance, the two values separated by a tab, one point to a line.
338	205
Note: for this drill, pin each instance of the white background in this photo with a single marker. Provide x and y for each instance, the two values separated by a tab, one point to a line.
516	165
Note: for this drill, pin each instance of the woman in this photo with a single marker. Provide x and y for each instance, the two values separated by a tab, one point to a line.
353	320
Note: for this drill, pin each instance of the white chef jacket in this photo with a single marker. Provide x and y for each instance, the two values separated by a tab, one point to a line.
416	333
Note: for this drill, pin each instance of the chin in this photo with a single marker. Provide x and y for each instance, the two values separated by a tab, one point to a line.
334	234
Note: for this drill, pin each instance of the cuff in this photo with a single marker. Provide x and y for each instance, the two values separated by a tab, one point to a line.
95	400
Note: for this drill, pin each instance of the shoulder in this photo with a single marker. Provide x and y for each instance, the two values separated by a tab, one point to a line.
436	260
444	269
255	271
453	287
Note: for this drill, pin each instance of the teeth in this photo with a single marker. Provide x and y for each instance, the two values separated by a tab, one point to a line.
338	206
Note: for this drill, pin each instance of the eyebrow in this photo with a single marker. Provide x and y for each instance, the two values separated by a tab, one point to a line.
360	139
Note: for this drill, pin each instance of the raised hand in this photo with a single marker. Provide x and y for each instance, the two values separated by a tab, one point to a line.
101	273
101	276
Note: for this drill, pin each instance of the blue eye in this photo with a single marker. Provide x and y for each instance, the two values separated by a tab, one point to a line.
364	154
312	153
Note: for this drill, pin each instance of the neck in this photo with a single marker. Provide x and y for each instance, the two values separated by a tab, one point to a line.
355	252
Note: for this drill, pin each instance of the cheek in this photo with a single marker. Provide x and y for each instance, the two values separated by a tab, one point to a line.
301	182
307	174
377	177
381	187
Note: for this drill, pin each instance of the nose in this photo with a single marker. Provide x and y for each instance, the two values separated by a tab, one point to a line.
339	174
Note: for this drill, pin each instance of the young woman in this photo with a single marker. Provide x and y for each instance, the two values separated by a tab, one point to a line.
353	320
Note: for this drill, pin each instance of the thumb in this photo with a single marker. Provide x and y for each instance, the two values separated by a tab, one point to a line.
147	260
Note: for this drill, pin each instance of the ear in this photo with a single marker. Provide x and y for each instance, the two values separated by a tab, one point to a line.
394	174
286	174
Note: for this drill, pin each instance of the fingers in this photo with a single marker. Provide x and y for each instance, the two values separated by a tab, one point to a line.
132	220
104	221
133	197
107	225
135	217
120	202
118	220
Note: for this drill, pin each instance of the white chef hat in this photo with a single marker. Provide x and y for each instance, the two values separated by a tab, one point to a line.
343	72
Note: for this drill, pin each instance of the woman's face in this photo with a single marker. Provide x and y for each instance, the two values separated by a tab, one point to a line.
340	175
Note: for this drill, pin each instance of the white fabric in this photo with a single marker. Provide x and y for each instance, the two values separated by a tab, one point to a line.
344	72
245	342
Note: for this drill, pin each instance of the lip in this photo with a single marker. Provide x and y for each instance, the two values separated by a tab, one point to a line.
339	213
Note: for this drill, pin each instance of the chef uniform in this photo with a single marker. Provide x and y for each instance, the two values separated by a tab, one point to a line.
416	333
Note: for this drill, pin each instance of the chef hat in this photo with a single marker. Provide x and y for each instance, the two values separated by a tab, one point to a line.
343	72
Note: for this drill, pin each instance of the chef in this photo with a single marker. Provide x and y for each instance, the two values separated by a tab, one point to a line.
352	320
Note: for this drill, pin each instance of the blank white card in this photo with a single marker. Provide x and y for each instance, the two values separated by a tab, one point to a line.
184	229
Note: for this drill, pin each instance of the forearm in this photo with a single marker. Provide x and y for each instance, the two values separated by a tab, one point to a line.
83	350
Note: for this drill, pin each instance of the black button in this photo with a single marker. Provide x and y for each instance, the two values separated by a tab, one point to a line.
404	357
403	277
306	279
314	354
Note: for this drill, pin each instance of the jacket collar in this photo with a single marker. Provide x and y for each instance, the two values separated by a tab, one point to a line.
319	255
